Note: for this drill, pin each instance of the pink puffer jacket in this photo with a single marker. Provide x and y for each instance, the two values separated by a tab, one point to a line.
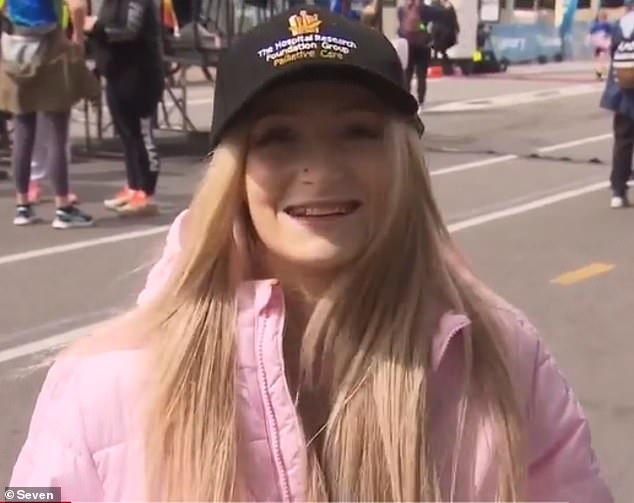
85	434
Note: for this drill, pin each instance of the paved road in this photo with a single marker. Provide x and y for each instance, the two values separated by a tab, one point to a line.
521	185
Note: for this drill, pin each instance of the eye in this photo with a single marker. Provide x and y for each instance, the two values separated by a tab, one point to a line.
362	131
274	135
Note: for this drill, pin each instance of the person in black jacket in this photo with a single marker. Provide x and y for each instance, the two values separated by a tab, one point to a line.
128	54
445	34
414	18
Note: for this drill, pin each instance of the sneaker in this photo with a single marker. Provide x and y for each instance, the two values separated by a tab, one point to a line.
71	216
24	215
619	202
139	205
121	198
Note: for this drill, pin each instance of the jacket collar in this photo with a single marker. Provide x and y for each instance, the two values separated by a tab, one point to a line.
451	324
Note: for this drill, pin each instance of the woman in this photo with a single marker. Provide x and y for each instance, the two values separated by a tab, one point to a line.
39	158
128	55
44	73
414	18
307	327
600	37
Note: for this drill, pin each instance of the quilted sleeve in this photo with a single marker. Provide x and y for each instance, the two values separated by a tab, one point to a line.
563	465
55	453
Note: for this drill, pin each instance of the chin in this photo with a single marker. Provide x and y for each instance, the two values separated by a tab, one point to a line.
322	258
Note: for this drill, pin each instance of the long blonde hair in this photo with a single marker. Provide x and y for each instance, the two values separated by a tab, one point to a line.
377	442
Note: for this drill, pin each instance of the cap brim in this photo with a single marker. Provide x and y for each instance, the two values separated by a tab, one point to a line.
393	95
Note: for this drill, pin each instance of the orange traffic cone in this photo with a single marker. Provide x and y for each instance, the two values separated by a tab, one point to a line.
434	72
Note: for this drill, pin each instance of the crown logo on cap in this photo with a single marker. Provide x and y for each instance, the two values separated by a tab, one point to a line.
303	23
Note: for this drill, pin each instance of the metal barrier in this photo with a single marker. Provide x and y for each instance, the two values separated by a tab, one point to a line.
224	20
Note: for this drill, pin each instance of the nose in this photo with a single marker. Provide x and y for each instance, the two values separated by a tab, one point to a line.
320	162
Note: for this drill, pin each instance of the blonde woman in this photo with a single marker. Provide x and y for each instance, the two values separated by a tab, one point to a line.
309	334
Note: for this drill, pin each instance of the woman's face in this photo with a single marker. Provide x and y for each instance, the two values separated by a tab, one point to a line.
316	169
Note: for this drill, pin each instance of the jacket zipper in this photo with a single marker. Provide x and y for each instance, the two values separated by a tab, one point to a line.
275	435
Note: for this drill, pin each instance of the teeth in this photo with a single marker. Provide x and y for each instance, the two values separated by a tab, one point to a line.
310	211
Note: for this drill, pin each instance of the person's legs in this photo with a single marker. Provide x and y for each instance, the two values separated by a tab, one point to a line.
423	57
409	69
143	162
621	158
5	139
127	121
150	161
122	127
39	166
38	159
54	135
23	140
447	65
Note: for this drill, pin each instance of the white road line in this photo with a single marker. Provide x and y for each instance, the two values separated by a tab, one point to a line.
575	143
526	207
50	343
475	164
80	245
512	157
523	98
59	340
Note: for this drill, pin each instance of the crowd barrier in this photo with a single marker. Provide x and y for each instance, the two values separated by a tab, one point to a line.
523	43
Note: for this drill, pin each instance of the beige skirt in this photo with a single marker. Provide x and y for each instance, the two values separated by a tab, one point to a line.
60	81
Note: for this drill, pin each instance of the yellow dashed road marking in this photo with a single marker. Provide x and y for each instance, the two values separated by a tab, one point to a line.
583	273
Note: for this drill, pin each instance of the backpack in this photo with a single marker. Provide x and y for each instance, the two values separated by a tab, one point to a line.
623	64
413	28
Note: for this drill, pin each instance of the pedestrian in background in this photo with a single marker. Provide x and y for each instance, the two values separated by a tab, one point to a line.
414	18
600	39
39	162
445	34
127	36
42	72
618	97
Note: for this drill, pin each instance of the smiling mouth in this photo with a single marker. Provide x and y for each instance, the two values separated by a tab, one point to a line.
321	210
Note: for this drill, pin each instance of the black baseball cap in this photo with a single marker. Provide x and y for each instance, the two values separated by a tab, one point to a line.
303	43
